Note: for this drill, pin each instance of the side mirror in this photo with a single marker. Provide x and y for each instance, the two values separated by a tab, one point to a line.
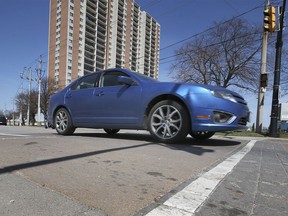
125	80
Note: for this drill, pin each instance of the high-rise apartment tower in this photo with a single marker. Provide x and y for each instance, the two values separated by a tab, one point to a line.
90	35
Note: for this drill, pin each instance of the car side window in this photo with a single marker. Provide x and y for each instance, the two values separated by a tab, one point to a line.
111	78
85	83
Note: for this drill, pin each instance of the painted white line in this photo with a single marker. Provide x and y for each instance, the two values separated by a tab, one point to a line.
20	135
188	200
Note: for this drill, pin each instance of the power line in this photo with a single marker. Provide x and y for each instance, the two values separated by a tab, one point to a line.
209	45
209	29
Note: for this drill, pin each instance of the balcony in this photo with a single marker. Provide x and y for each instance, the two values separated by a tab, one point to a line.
89	62
100	53
90	30
89	49
91	25
89	56
92	2
100	59
89	43
91	8
99	67
121	3
90	13
101	48
102	4
90	19
101	38
88	69
102	21
90	37
102	15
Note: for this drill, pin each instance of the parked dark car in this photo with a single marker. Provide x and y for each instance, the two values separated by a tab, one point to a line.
3	120
117	99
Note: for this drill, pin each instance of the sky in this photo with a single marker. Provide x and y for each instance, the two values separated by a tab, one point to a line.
25	26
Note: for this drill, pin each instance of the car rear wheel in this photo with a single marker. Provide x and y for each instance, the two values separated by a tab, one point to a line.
201	134
168	121
63	122
111	131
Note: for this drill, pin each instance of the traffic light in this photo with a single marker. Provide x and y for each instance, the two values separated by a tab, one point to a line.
269	19
264	80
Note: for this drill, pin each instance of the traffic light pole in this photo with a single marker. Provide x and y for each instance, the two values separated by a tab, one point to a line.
275	99
261	90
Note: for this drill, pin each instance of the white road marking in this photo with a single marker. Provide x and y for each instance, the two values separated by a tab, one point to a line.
188	200
20	135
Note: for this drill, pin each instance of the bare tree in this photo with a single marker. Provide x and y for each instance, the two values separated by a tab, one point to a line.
47	89
44	96
33	105
284	74
228	55
21	102
22	99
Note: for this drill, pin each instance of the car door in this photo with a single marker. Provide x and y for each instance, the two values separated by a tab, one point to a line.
118	103
79	100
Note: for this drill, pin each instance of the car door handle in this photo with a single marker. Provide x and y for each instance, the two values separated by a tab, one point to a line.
99	94
68	96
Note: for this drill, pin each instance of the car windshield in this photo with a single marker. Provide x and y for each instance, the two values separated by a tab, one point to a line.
145	78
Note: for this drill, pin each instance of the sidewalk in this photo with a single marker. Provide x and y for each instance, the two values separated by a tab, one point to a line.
258	184
20	197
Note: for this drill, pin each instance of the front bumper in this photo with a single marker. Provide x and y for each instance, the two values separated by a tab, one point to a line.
220	120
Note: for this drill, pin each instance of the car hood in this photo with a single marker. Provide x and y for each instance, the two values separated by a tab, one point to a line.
192	88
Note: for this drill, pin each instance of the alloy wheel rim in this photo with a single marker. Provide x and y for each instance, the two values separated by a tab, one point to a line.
61	121
166	122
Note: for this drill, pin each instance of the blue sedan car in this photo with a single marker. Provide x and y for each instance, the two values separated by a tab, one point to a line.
117	99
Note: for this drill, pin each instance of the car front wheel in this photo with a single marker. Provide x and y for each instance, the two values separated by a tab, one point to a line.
168	121
202	134
63	122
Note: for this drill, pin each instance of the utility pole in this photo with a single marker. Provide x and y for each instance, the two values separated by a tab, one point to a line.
29	78
275	99
39	74
29	95
13	114
262	89
21	104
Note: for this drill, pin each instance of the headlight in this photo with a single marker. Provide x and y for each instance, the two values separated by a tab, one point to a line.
225	95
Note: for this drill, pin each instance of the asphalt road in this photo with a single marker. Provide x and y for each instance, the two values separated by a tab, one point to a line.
91	173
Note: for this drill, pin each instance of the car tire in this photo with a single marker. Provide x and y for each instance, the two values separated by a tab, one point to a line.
63	122
201	135
111	131
168	121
